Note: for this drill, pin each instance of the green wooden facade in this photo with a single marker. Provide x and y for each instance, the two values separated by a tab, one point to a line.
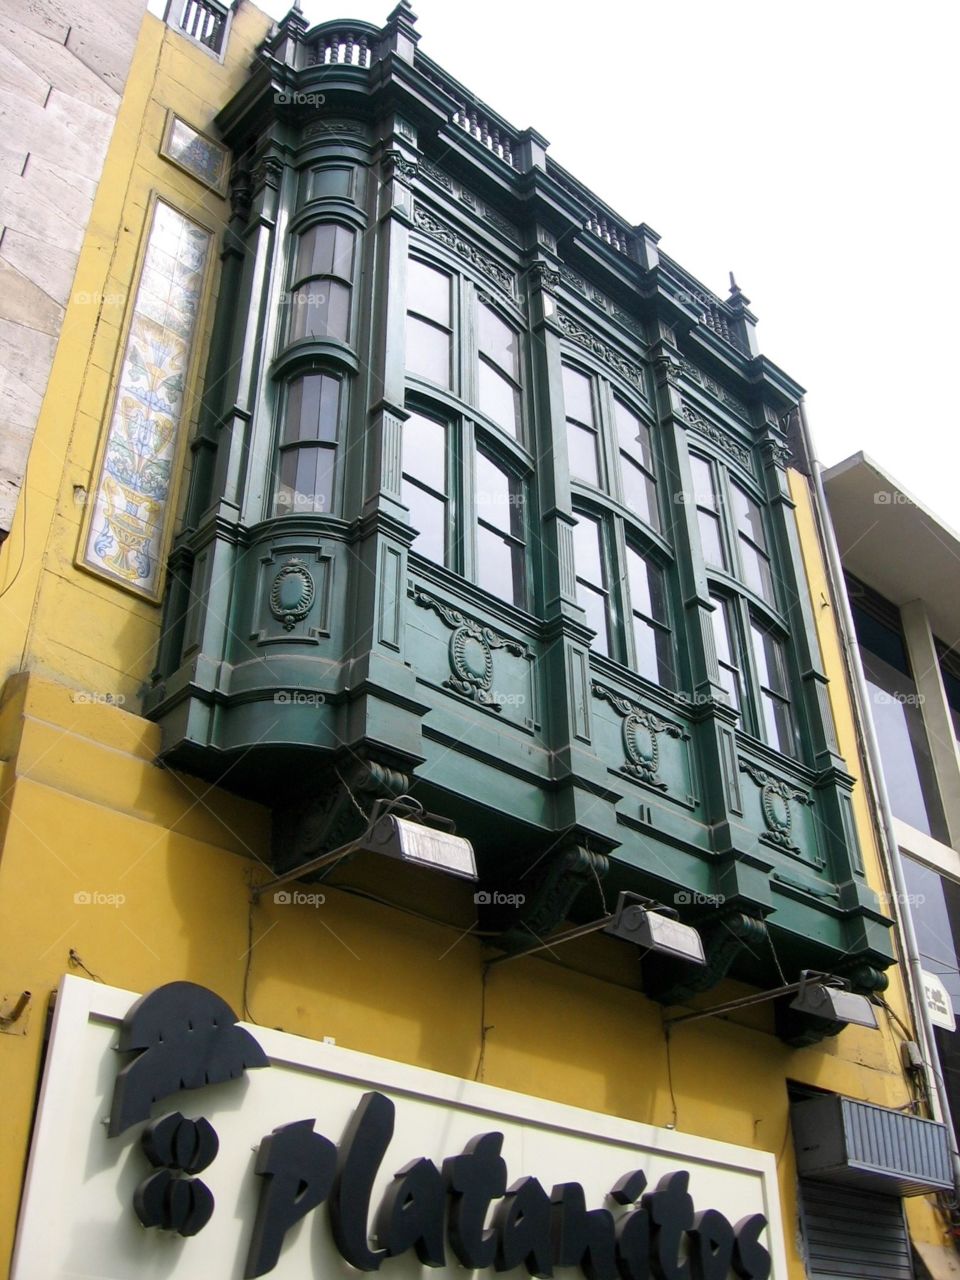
420	311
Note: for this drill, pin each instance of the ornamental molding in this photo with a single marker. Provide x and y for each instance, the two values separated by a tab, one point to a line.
431	226
716	434
775	799
470	651
578	333
544	276
335	128
402	166
710	384
292	593
439	177
778	453
641	736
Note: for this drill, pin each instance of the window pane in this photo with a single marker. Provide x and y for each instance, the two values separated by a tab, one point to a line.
633	434
727	658
576	396
748	516
499	342
499	497
321	309
904	750
595	607
778	724
424	451
428	351
702	482
498	398
326	249
654	653
306	480
646	587
313	408
639	492
586	550
427	515
710	538
582	452
768	656
500	566
428	292
756	572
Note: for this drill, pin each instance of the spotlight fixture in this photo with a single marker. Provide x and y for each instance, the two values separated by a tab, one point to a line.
642	921
821	995
835	1004
419	838
655	928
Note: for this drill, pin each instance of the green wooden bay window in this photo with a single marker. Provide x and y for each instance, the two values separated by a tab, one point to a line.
320	296
483	535
308	444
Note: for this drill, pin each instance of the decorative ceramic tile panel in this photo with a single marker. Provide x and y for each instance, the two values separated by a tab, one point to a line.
193	151
126	535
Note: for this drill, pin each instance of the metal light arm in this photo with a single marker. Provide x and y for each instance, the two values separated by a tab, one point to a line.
744	1002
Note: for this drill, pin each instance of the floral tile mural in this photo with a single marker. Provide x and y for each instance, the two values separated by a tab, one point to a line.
126	534
193	151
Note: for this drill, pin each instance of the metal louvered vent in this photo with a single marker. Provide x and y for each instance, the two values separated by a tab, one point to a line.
841	1140
851	1233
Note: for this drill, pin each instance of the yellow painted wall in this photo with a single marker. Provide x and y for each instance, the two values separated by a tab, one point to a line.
87	811
84	810
54	617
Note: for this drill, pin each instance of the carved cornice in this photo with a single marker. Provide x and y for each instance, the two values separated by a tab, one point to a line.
716	434
578	333
432	226
716	390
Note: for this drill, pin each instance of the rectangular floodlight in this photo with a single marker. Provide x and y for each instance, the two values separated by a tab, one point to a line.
655	932
835	1004
425	846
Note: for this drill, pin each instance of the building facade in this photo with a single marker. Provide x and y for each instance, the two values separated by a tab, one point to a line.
899	564
406	479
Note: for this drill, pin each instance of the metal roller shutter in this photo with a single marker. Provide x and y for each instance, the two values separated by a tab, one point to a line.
853	1235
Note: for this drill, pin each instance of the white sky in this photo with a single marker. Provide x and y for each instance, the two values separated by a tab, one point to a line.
811	148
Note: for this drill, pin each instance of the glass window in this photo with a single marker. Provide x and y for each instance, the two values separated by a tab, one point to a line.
637	477
581	427
776	720
499	371
429	323
934	904
708	512
727	645
897	717
754	557
425	490
592	592
500	543
653	644
320	298
950	672
308	444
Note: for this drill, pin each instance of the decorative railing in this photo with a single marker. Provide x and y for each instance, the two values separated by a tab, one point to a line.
472	115
713	311
603	222
204	21
345	47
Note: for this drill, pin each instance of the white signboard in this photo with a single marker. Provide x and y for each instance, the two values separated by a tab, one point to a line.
317	1161
939	1004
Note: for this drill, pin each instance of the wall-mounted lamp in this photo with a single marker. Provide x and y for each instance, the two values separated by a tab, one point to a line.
407	839
820	994
642	921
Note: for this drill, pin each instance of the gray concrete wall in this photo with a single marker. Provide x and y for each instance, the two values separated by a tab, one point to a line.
63	66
